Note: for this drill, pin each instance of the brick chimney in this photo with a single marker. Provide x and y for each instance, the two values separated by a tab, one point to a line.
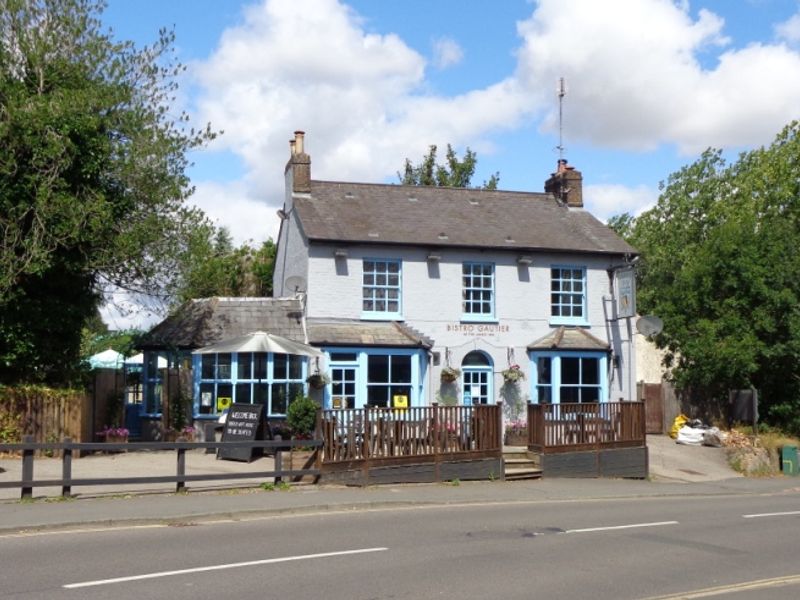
299	165
566	184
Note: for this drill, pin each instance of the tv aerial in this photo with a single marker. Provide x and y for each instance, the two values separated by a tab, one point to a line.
649	325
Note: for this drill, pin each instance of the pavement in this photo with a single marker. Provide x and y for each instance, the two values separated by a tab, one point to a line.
675	471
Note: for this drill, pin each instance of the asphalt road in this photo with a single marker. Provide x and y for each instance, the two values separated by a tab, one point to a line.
743	546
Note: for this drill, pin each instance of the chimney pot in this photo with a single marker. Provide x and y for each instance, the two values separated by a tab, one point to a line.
298	141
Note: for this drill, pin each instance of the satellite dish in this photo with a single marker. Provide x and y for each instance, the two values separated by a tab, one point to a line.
649	325
295	284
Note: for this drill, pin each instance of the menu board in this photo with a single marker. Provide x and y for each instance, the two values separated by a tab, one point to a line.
244	423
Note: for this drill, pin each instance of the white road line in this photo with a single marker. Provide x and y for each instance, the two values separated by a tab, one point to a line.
27	534
250	563
775	514
747	586
614	527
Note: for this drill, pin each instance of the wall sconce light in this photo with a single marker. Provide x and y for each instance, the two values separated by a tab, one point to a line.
524	260
282	214
433	257
340	253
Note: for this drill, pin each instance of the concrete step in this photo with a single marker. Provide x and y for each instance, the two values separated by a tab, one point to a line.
521	464
522	473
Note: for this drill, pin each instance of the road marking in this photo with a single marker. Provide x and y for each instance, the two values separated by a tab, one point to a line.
775	514
614	527
251	563
27	534
756	584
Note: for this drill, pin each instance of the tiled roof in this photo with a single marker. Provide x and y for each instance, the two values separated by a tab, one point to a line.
364	333
205	321
450	217
569	338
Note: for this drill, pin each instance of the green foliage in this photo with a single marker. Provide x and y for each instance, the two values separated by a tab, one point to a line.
212	266
92	178
301	416
720	266
179	411
455	173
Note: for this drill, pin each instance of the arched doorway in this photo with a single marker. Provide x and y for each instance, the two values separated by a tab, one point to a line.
476	369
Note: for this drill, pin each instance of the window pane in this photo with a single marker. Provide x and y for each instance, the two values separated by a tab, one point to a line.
569	394
224	366
378	396
207	366
378	368
260	370
590	394
545	395
224	390
279	370
207	404
278	403
243	393
401	369
260	393
296	366
570	370
543	366
244	365
591	371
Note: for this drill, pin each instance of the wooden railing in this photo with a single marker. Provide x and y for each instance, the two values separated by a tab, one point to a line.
29	447
391	435
585	426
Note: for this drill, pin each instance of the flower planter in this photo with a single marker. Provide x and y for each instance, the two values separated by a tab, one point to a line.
298	459
516	438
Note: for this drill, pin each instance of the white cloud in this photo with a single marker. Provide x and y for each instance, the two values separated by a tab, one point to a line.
789	30
608	200
361	98
446	53
634	75
240	207
636	80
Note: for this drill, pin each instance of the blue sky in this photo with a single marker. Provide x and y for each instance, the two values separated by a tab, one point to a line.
650	84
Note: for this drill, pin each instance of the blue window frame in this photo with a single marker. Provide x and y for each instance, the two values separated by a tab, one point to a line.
381	296
152	382
568	295
364	377
569	377
273	380
477	295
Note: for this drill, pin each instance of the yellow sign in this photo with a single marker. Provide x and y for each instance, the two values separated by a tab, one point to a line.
400	402
223	402
337	402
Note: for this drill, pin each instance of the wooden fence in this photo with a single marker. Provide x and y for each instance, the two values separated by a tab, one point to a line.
46	414
575	427
282	470
358	440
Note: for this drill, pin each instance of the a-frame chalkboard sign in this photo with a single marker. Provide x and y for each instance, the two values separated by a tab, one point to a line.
244	423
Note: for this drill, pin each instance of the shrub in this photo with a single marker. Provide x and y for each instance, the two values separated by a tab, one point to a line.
301	416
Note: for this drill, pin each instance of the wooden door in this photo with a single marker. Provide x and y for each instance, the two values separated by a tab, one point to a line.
653	408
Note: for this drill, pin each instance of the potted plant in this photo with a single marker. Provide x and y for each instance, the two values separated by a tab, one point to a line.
450	374
318	380
115	435
516	433
512	374
301	419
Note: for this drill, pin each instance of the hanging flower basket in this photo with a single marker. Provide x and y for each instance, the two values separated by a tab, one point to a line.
318	380
450	374
513	374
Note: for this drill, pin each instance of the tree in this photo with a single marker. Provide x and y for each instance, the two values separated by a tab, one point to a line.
92	177
720	266
456	173
212	266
